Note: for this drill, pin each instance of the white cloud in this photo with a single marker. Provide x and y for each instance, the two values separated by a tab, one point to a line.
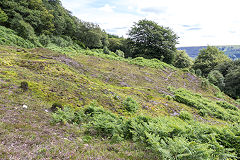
107	8
205	22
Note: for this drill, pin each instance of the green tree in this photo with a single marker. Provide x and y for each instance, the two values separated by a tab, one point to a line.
3	16
232	82
182	60
216	78
150	40
208	59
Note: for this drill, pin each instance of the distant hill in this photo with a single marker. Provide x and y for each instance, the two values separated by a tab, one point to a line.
233	51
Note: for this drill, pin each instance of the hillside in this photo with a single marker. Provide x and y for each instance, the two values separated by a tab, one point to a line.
167	97
233	51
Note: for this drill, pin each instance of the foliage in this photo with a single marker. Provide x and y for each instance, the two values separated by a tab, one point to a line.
231	71
56	106
208	59
63	116
120	53
3	16
185	115
9	37
130	105
232	85
182	60
25	30
24	85
31	18
167	137
149	40
198	72
44	40
205	107
216	78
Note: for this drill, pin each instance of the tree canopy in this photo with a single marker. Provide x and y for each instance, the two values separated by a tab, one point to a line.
3	16
182	60
150	40
208	58
31	18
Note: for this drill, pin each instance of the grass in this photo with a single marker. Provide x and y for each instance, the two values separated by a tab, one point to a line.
76	79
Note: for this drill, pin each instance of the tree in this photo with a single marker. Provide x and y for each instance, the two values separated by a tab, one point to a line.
3	16
182	60
232	85
149	40
208	58
231	72
216	78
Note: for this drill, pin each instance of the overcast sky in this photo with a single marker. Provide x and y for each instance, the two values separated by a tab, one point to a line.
196	22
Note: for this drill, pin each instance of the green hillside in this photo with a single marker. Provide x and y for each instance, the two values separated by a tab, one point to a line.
180	109
71	91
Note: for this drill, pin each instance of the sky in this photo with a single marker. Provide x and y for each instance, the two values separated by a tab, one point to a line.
196	22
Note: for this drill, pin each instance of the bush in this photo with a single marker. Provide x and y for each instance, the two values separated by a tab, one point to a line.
227	105
182	60
120	53
44	40
198	72
10	37
24	85
130	105
63	116
184	115
205	106
204	83
216	78
56	106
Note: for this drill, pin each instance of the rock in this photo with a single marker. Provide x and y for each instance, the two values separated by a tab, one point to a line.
25	106
124	84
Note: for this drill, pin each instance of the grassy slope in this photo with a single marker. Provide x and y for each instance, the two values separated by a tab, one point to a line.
76	80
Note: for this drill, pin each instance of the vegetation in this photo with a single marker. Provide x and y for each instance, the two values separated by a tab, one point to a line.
149	40
182	60
230	71
86	94
216	78
208	59
168	137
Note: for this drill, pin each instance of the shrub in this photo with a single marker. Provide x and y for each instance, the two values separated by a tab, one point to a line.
227	105
216	78
198	72
204	83
238	101
182	60
106	50
120	53
185	115
130	105
10	37
44	40
63	116
24	85
56	106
